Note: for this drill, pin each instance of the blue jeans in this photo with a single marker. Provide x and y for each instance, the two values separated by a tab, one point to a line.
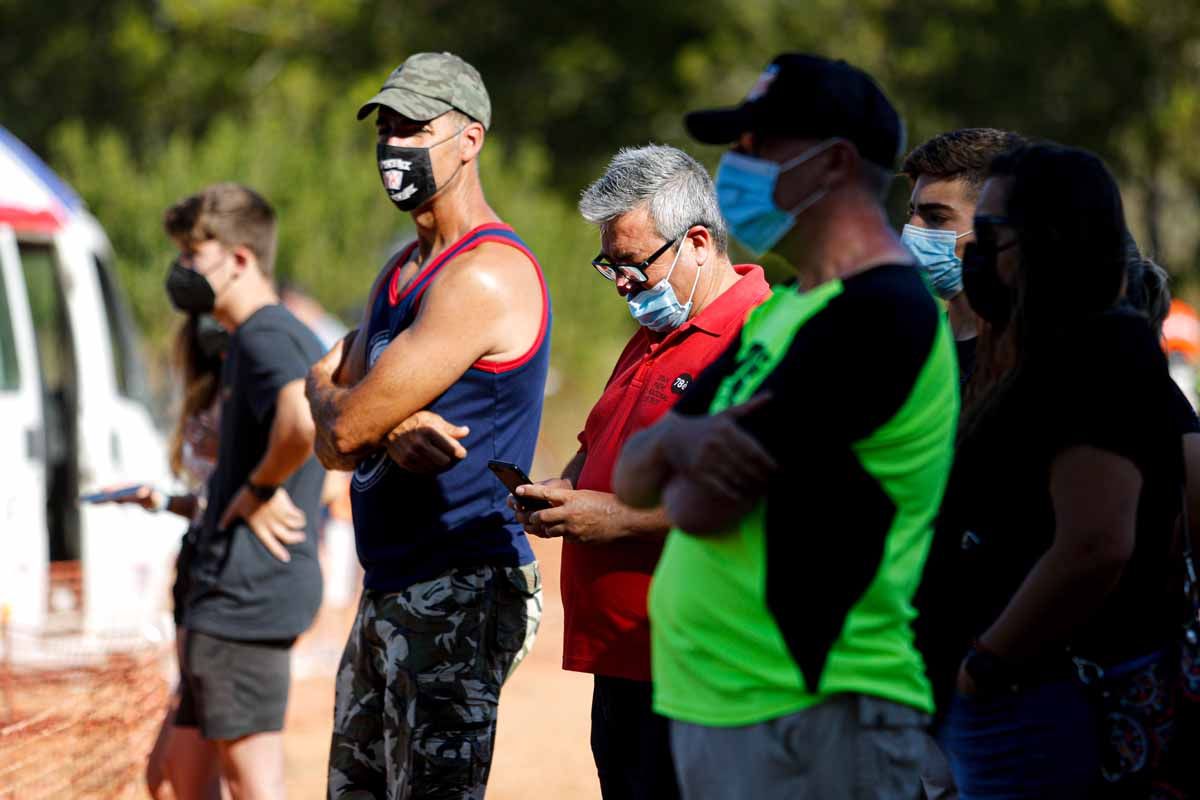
1037	743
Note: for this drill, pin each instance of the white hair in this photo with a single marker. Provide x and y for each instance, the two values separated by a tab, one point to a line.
673	185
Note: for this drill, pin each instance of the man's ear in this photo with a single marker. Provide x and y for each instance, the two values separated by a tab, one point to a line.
702	242
471	141
843	164
244	259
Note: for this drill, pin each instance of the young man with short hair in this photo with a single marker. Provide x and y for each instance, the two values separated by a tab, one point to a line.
256	584
947	173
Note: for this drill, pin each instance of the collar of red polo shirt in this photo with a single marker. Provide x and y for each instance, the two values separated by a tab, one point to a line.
718	314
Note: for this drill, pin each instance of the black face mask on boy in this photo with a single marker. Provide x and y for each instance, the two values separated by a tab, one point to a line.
189	291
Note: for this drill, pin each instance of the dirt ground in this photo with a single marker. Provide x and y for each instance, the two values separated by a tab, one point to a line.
542	747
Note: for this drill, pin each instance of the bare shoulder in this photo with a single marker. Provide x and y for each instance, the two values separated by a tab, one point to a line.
498	288
491	270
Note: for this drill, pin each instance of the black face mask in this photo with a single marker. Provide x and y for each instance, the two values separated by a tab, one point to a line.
407	173
190	292
988	296
211	339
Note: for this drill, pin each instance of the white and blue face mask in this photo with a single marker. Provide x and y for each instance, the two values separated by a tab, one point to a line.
746	194
658	308
934	251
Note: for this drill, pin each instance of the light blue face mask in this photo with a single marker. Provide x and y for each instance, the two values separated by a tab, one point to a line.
658	308
934	251
746	194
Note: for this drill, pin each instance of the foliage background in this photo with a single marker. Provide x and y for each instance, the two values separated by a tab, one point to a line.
138	102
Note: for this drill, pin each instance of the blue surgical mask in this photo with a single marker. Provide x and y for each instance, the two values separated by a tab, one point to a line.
746	194
934	251
658	308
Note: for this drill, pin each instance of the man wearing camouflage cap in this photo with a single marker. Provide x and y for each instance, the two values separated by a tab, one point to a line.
456	328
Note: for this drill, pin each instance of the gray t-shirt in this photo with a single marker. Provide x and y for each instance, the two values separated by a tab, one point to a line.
239	590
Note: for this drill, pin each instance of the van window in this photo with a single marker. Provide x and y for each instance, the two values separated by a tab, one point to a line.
10	374
129	377
51	325
60	392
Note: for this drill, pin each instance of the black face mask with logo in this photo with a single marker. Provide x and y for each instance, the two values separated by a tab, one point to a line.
407	173
189	291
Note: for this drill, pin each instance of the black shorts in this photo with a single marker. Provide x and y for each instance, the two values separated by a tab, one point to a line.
231	689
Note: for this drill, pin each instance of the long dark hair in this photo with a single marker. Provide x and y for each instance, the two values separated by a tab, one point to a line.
201	374
1147	288
1067	212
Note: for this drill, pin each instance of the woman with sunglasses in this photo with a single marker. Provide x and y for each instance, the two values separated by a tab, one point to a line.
1052	559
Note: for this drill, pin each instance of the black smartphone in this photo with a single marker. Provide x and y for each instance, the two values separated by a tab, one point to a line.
513	476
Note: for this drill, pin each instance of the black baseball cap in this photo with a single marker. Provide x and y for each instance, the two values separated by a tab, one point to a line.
810	97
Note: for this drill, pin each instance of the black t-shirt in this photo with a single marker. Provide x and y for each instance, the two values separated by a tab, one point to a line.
240	591
1106	386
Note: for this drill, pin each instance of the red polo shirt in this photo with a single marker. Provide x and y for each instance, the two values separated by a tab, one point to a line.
604	586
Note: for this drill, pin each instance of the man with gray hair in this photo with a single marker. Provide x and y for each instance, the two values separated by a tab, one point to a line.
663	247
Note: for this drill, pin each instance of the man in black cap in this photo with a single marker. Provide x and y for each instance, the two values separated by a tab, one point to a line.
456	328
803	488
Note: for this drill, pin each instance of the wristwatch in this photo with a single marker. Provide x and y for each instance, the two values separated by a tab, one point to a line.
263	493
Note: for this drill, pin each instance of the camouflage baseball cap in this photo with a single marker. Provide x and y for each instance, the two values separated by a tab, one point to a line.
428	85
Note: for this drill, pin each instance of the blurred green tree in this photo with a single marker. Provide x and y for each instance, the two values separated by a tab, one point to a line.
138	102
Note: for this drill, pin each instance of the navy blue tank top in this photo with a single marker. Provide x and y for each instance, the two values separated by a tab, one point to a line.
408	527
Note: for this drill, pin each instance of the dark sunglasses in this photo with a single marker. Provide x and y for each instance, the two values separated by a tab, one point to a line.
633	272
987	233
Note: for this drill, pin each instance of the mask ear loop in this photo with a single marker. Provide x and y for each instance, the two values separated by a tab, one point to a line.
695	283
809	154
812	200
674	261
216	292
453	175
792	163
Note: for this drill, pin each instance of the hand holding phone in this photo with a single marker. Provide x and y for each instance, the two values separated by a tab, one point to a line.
513	476
138	493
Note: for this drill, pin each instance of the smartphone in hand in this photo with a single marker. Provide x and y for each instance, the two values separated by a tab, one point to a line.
111	496
513	476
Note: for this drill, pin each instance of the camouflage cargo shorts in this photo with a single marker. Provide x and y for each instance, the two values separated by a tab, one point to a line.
419	684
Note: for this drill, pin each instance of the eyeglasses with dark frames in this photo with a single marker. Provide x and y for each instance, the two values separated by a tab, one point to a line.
633	272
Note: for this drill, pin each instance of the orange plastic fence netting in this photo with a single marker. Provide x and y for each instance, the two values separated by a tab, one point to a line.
78	713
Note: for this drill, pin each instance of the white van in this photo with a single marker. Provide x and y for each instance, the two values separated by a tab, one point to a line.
73	418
